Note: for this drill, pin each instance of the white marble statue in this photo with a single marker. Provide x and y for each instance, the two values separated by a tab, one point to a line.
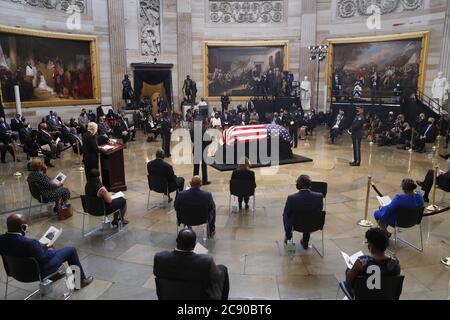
305	95
439	89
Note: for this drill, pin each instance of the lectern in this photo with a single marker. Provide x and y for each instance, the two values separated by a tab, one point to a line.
113	167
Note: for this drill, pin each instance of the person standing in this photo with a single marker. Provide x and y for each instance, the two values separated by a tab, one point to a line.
225	99
90	148
200	140
166	131
356	131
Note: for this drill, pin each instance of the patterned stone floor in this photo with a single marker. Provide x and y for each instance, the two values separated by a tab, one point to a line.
250	247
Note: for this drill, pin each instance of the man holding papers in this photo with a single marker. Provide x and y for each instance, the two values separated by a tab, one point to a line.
90	148
387	215
15	244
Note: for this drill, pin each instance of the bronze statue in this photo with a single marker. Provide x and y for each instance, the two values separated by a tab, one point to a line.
127	91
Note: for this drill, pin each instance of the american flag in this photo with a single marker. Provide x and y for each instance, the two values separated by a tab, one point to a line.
243	134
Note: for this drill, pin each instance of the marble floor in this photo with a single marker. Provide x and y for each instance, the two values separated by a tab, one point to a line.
251	247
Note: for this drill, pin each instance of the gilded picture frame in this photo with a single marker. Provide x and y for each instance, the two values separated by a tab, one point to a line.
423	36
238	44
94	64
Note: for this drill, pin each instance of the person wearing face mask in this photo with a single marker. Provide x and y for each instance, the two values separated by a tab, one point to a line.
377	243
127	133
17	123
427	135
14	243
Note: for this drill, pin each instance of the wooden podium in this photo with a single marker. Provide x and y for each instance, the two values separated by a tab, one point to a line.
113	167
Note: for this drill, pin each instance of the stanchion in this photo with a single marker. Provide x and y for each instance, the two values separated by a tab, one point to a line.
411	143
80	162
433	206
17	173
365	222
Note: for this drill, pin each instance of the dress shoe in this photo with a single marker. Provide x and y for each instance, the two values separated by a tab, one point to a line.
86	282
170	200
247	207
211	234
207	183
305	245
355	164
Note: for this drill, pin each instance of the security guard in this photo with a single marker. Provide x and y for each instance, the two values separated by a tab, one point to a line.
295	119
166	131
356	131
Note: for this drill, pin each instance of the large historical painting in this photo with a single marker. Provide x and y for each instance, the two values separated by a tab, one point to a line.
239	68
51	69
378	63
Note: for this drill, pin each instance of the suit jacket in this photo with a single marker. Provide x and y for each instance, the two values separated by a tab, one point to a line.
16	125
5	136
303	202
160	168
190	267
44	138
15	245
429	133
244	175
90	150
443	181
195	196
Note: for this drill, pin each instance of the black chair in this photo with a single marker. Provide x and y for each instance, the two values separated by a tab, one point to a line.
321	187
95	206
35	193
242	188
309	223
191	215
157	184
390	289
27	270
408	218
171	289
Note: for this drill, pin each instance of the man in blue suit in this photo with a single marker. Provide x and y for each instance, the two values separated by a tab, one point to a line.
15	244
195	196
303	202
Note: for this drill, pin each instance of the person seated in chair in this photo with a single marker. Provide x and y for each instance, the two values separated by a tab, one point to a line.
197	196
377	243
387	215
160	168
303	202
127	133
49	191
15	244
47	141
33	149
243	172
443	182
428	135
94	188
7	138
185	265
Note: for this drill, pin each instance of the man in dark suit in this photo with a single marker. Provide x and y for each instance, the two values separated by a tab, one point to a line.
427	135
337	126
302	203
45	138
160	168
442	181
126	132
197	196
15	244
166	132
200	140
33	149
185	265
17	123
356	130
90	148
225	100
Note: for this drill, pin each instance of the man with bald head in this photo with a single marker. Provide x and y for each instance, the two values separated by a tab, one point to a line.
185	265
15	244
195	196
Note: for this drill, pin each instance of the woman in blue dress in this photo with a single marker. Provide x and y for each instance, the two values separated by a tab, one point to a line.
387	215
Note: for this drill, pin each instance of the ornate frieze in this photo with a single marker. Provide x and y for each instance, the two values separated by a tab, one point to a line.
351	8
241	11
150	27
60	5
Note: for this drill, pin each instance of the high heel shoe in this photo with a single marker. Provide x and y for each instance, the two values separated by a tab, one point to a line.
115	224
